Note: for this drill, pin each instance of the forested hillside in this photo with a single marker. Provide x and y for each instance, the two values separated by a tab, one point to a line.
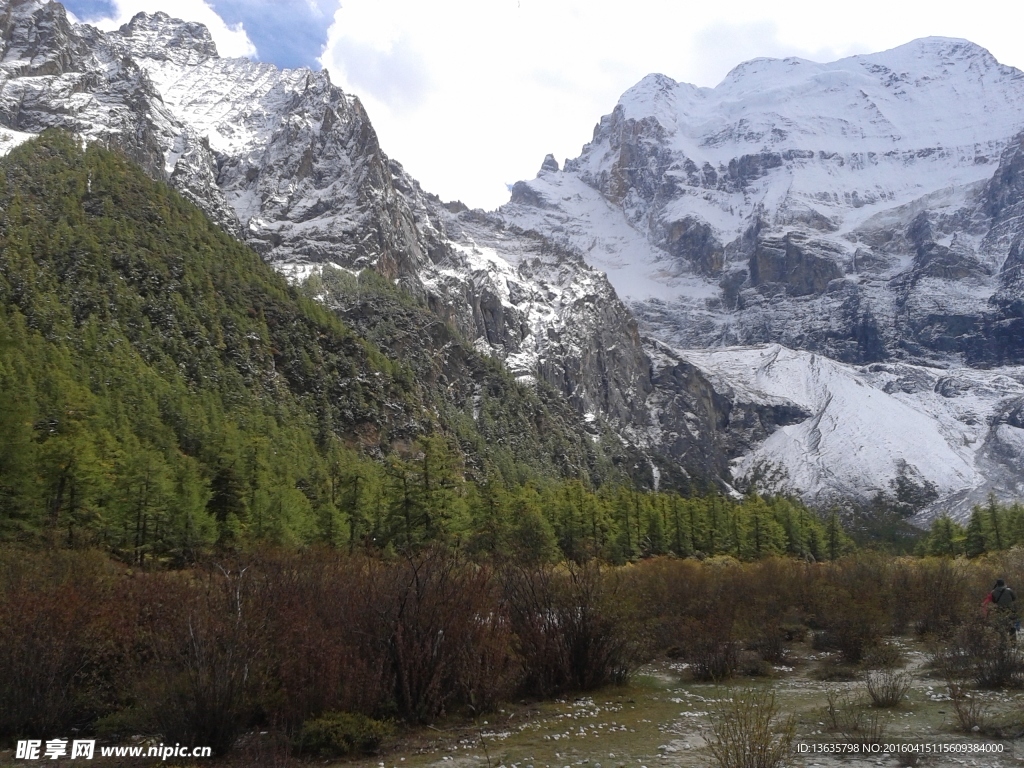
164	391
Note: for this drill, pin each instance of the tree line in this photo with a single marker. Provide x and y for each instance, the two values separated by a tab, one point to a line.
991	527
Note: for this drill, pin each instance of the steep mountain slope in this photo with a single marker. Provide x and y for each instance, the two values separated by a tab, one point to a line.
867	210
289	163
163	388
857	208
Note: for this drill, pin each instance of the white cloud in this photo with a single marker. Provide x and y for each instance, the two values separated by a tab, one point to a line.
231	39
714	48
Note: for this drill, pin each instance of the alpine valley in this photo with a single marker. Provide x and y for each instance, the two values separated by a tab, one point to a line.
810	277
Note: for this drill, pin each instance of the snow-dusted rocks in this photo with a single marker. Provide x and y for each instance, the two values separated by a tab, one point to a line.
859	431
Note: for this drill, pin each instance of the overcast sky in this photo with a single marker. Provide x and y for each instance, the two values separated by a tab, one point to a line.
470	95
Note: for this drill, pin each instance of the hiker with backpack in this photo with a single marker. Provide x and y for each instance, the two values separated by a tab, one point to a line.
1004	601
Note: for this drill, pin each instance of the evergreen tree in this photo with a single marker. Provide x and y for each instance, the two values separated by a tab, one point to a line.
533	538
944	538
975	542
995	523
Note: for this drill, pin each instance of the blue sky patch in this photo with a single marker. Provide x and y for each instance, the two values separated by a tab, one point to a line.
288	34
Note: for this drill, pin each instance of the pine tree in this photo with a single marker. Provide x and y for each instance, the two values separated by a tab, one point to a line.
995	522
975	542
943	538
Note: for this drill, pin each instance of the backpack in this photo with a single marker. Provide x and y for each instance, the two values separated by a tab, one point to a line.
999	593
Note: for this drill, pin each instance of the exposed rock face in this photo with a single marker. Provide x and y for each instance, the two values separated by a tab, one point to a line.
793	264
897	174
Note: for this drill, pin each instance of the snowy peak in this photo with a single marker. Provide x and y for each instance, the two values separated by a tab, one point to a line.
867	210
930	92
161	37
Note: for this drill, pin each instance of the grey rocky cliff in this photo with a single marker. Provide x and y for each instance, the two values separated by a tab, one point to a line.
828	210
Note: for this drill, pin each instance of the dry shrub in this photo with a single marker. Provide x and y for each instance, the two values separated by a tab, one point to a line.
667	592
573	629
851	605
695	607
62	647
208	671
710	647
885	656
770	613
852	628
937	595
411	638
984	651
448	641
746	732
329	637
887	687
851	720
970	711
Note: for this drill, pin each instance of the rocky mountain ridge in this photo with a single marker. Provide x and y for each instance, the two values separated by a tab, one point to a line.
865	198
738	227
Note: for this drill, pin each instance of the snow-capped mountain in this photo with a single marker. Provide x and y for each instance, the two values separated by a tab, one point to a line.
866	210
857	208
864	215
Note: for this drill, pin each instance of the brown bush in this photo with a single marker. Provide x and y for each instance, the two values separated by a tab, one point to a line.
710	647
207	671
969	709
887	687
851	605
329	637
746	732
769	613
851	720
275	639
984	651
936	595
666	592
448	640
572	632
61	647
409	638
